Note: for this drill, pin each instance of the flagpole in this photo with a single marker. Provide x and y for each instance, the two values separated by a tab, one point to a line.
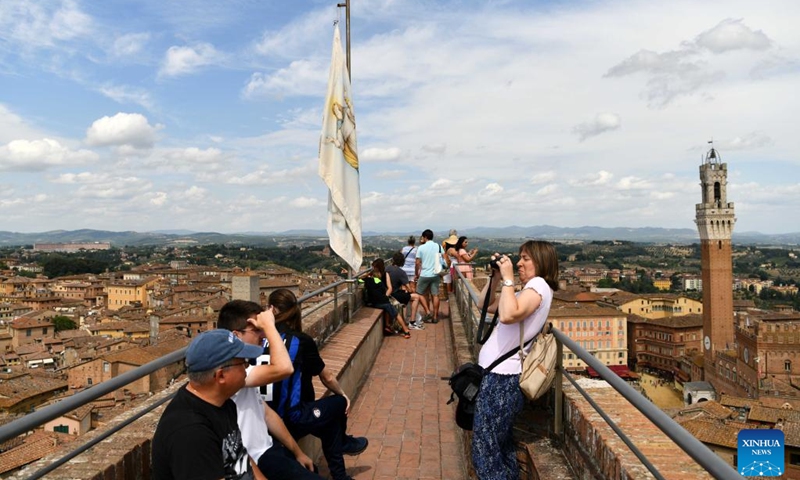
350	272
346	6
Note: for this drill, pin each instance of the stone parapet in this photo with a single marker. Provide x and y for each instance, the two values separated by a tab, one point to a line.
349	352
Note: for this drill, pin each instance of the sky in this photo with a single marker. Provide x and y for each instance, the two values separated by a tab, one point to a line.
206	115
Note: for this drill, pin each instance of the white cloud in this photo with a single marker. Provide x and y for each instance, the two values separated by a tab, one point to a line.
436	148
543	177
492	189
43	24
380	154
603	122
633	183
301	77
129	44
127	94
751	141
593	179
306	202
131	129
730	35
547	189
35	155
185	60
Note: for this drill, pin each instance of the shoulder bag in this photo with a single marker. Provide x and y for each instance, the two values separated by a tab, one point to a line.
539	365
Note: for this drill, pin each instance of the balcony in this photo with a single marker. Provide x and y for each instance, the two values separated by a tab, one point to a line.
580	430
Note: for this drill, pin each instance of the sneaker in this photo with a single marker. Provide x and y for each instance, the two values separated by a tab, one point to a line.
414	326
428	318
354	445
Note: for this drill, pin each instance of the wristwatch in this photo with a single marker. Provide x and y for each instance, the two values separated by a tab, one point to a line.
508	283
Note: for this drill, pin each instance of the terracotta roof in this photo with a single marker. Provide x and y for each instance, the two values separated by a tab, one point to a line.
737	402
715	432
23	322
19	388
791	432
760	413
131	356
709	409
35	446
583	310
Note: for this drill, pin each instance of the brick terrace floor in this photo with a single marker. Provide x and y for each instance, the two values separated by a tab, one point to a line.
402	409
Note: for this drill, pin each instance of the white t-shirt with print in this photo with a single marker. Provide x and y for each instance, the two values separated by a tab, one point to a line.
251	420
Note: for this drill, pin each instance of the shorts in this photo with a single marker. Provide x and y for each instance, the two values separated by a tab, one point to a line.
402	296
425	282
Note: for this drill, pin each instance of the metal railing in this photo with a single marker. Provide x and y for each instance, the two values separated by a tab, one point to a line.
40	417
467	300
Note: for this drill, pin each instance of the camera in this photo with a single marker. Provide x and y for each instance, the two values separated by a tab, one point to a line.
493	262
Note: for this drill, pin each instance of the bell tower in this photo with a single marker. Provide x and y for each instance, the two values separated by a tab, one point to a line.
714	218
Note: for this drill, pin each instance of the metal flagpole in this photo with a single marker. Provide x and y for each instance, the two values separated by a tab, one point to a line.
353	286
346	6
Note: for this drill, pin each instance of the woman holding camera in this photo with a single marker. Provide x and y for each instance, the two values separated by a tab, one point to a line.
500	399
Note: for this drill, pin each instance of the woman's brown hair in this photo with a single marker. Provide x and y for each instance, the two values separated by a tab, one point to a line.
545	258
288	310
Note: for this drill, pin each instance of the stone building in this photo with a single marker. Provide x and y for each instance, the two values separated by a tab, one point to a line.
715	219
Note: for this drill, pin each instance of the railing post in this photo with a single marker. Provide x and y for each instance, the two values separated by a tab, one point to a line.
336	319
558	421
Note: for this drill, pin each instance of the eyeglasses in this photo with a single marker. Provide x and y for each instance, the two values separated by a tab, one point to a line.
237	364
253	330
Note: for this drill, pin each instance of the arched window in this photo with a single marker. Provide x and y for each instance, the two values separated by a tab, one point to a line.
787	365
717	192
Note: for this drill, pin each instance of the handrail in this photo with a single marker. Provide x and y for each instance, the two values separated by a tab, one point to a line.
689	444
44	415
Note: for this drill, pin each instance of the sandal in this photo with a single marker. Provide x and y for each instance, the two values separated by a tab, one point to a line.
406	335
388	332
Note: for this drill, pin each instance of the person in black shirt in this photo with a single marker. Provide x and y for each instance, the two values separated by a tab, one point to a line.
197	436
294	398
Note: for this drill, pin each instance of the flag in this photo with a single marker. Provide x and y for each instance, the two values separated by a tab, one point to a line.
338	162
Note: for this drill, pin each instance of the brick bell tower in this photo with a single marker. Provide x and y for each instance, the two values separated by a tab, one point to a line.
715	220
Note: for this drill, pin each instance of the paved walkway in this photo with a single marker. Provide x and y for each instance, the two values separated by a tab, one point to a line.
402	410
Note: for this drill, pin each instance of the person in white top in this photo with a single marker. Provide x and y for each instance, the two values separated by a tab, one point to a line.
264	433
500	399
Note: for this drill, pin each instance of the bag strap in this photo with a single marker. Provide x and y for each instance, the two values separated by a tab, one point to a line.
544	331
409	252
497	362
482	322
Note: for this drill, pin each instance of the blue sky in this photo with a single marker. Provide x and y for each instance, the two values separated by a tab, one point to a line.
176	114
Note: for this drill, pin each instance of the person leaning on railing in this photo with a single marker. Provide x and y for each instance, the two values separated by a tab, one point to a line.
500	399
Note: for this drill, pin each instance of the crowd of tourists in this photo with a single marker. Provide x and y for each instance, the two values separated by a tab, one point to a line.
250	395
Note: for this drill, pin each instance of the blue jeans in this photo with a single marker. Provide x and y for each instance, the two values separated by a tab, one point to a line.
494	455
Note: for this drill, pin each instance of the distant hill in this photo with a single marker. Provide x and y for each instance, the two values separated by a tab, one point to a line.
587	233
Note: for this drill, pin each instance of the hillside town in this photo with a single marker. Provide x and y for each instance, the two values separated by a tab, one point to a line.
62	335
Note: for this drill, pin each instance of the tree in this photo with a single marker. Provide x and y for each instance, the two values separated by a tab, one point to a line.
62	322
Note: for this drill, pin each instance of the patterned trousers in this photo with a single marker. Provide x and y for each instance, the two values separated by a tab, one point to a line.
494	455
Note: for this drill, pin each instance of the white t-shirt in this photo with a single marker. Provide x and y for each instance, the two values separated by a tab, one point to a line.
251	420
504	337
410	254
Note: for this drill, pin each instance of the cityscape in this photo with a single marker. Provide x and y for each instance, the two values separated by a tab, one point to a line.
160	161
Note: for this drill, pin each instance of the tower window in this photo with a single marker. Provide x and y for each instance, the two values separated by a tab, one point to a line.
787	365
717	192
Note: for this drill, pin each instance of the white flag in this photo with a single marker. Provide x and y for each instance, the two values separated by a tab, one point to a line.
338	162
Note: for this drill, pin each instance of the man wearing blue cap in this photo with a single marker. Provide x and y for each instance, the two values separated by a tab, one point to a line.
197	436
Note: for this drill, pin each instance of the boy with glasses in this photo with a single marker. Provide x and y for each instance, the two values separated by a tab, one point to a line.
281	458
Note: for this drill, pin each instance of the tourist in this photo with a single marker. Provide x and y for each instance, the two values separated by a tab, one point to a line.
451	259
379	287
427	281
294	398
197	436
409	260
401	293
465	256
500	399
263	431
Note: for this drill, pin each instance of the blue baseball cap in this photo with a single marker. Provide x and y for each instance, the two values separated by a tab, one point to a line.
213	348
